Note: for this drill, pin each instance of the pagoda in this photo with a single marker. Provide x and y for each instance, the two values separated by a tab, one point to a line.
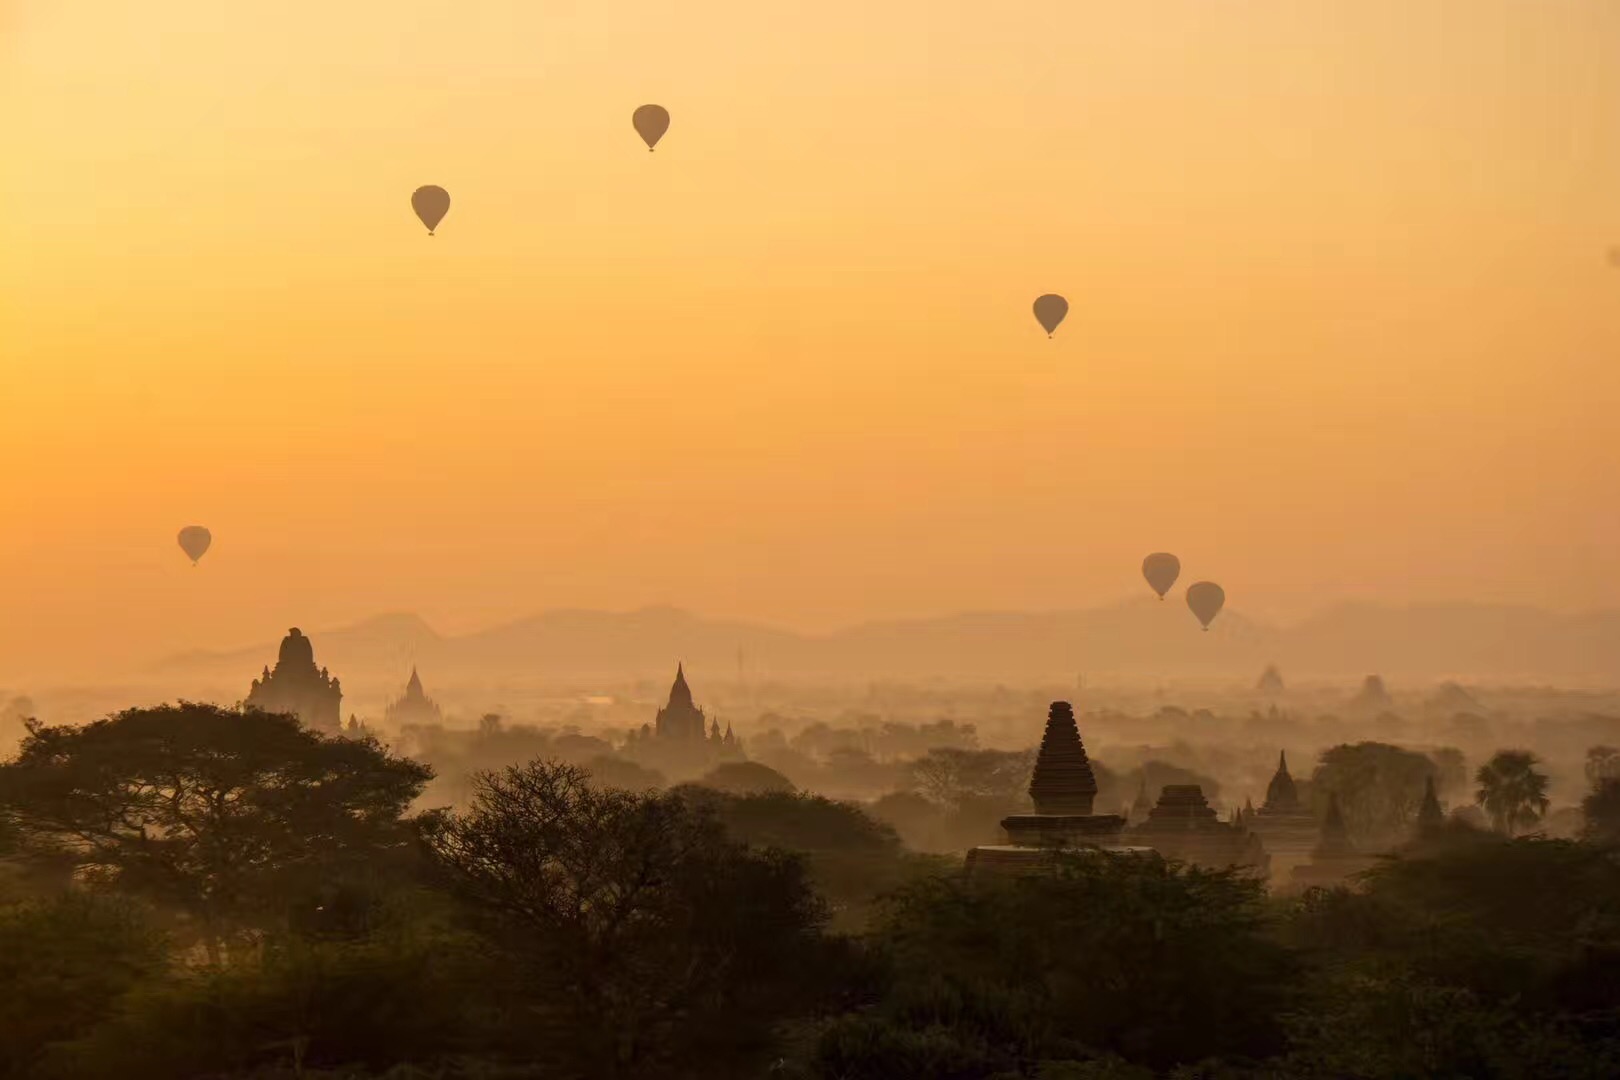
1283	822
1184	826
298	688
1373	697
1335	857
682	741
680	720
415	707
1063	789
1431	820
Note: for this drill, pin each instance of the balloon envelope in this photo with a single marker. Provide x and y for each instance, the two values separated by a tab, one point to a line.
1206	599
651	122
431	203
1161	570
1049	311
194	541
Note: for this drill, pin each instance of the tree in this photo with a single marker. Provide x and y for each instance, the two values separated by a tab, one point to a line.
852	856
919	821
1602	763
1450	769
950	777
636	931
64	964
1526	922
215	812
1380	788
746	778
415	991
610	770
1601	808
1120	954
1511	791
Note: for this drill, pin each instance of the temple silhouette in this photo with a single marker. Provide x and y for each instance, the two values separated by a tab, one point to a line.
682	739
298	688
1284	822
1182	825
1063	789
414	707
680	720
1335	857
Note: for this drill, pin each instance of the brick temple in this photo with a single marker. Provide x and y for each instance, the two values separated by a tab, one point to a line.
1063	789
1184	826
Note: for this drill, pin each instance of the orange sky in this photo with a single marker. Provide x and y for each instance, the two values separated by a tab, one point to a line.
1340	327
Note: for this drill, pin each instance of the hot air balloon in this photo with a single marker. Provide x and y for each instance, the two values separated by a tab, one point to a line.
194	541
1206	599
431	203
651	122
1049	311
1161	570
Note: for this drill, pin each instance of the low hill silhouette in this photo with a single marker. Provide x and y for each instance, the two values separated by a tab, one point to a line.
1469	642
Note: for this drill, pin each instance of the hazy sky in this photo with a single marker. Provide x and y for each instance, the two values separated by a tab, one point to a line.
1341	323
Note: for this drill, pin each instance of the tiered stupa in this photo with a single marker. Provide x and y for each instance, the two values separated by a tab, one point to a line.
1283	822
1335	857
1184	826
1063	790
298	688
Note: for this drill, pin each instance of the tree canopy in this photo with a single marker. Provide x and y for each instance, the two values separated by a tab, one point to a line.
1130	955
1511	791
1380	787
634	924
209	810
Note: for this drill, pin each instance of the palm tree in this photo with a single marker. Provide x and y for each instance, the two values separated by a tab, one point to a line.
1511	791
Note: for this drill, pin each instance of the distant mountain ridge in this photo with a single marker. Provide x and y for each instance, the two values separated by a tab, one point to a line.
1469	642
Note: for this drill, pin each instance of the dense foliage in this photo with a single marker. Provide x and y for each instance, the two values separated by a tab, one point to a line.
210	811
209	893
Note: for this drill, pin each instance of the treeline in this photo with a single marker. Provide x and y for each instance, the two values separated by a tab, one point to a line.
190	891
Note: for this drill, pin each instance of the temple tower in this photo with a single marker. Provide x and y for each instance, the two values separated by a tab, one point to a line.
1184	826
680	720
296	687
1335	857
1431	820
415	707
1283	822
682	741
1063	783
1063	789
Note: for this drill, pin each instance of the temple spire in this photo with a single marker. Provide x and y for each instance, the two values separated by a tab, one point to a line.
1430	817
1281	793
680	694
1335	842
1063	783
